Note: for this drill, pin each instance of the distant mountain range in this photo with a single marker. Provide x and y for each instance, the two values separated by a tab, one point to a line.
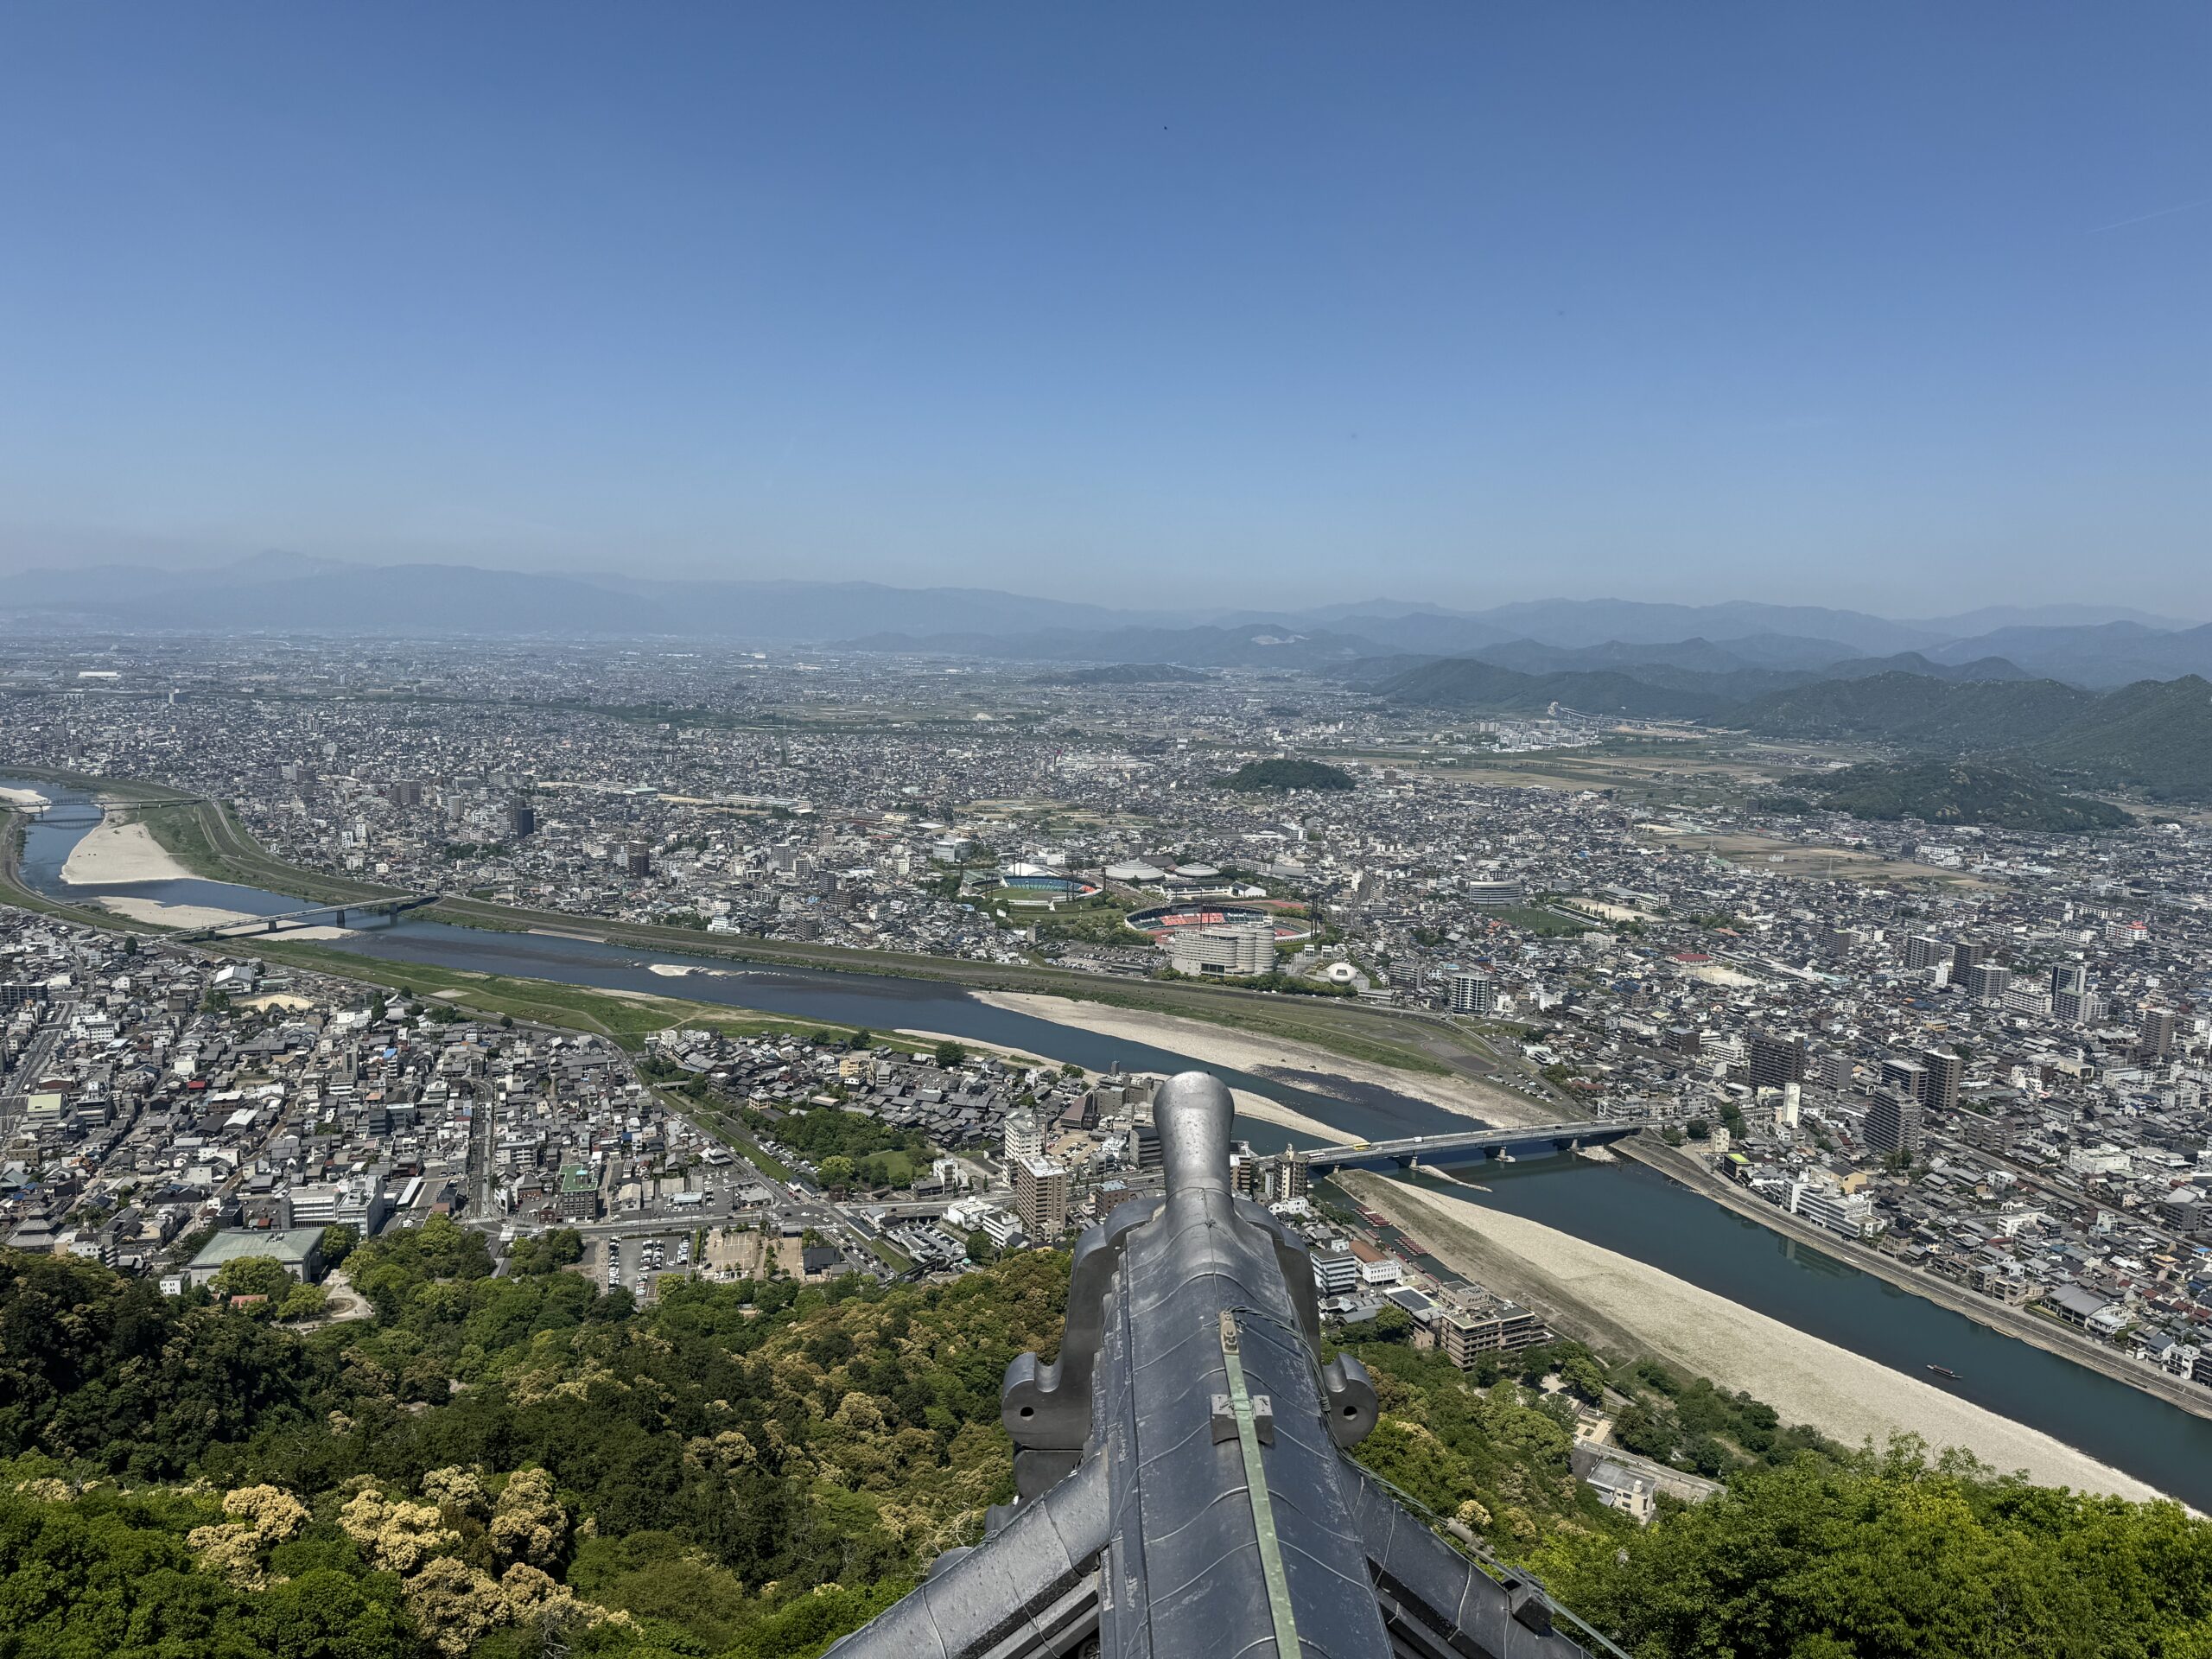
2111	653
1254	644
2154	736
277	594
2095	646
1657	691
2095	655
2098	695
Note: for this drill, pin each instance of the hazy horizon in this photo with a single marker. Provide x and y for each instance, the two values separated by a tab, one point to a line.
1879	308
1169	601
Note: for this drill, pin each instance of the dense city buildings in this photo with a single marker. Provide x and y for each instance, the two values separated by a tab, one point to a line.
167	1112
1981	1052
735	923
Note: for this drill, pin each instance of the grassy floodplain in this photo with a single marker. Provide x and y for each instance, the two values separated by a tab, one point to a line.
628	1018
207	839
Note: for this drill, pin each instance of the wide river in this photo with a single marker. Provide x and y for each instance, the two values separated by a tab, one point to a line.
1622	1207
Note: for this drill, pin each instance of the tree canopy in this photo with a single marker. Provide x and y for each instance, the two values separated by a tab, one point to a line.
746	1470
1892	1557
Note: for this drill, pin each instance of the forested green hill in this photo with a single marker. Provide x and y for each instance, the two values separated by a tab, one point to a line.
749	1471
1914	709
1955	791
2155	735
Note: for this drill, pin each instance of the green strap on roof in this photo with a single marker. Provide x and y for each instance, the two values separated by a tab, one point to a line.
1255	1478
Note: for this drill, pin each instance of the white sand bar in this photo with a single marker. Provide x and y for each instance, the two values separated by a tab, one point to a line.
28	799
1245	1051
197	916
1806	1379
161	915
116	851
1259	1107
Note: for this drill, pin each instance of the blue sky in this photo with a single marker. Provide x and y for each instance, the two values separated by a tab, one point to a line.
1894	305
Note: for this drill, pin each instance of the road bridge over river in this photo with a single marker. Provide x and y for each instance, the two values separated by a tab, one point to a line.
1512	1141
71	815
315	916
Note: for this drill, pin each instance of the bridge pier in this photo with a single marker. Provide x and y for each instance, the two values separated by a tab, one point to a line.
312	915
1496	1144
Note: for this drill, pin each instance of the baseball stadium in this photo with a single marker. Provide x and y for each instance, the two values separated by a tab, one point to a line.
1162	920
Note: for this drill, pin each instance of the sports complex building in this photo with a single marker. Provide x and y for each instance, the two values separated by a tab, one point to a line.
1162	921
1043	883
1049	886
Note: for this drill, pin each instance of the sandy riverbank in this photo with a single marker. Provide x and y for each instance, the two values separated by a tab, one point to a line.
116	851
1621	1303
1240	1051
2037	1331
161	915
29	800
1268	1111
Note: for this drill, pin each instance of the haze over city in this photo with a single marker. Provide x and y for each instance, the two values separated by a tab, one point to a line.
1881	307
1023	832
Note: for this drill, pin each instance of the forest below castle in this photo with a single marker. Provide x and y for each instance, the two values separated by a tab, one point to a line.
496	1465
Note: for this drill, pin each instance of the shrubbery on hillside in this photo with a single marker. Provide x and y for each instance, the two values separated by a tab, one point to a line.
1953	791
749	1471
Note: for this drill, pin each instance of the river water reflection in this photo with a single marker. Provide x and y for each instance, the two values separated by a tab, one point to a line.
1627	1208
1622	1207
883	1004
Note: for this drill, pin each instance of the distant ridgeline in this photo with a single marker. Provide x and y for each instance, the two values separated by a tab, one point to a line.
1255	776
504	1467
1952	791
2154	736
